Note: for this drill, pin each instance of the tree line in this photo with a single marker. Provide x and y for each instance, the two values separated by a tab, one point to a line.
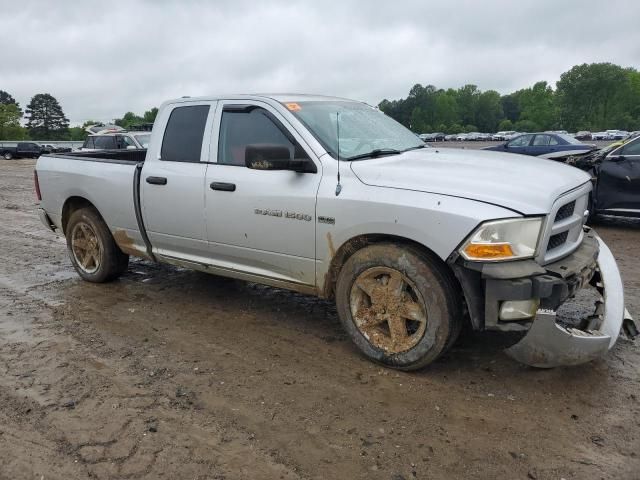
592	97
47	121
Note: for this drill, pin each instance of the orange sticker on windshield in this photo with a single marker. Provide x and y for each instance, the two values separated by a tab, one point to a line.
293	107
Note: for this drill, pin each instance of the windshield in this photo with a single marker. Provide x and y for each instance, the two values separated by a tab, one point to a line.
143	140
363	129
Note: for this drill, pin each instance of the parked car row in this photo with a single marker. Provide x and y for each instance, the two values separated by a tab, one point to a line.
605	135
510	134
29	149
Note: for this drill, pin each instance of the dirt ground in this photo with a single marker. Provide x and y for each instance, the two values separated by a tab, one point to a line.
174	374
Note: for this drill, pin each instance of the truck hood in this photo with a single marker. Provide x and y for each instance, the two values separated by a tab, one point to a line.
527	185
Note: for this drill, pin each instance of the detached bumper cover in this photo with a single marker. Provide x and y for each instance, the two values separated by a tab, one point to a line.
548	344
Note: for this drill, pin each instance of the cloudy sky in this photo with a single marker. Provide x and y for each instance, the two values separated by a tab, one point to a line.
101	59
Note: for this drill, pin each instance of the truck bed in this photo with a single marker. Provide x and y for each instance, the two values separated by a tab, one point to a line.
107	179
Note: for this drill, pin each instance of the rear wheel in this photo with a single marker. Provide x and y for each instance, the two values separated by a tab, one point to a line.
7	156
399	305
92	249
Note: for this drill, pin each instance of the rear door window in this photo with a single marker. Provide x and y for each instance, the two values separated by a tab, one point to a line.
541	141
182	141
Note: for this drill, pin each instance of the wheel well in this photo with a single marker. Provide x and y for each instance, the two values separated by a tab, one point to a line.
354	244
71	205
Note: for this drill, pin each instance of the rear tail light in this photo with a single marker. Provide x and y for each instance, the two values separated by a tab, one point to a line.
36	183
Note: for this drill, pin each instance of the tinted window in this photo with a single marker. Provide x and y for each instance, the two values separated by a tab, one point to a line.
88	143
105	143
632	148
182	140
522	141
255	127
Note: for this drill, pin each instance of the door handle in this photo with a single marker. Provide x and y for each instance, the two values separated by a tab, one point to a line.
157	180
223	187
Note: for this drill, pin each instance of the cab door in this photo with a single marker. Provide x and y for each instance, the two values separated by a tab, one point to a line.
260	222
173	182
618	187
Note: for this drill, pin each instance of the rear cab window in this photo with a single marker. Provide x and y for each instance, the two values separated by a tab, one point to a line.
184	133
105	142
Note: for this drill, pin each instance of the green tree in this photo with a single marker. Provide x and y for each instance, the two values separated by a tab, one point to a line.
594	96
128	120
77	134
488	111
526	126
467	102
537	104
7	99
45	118
505	125
150	115
511	107
10	128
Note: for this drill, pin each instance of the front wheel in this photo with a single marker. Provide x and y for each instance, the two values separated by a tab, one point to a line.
92	249
7	156
399	305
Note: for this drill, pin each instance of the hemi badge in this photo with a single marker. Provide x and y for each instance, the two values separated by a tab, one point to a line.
327	220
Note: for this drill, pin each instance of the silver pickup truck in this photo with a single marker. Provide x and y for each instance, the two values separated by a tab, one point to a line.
330	197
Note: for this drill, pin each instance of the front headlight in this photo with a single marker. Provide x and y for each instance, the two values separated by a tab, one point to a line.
511	239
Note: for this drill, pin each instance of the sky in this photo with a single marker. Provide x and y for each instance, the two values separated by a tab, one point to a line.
102	59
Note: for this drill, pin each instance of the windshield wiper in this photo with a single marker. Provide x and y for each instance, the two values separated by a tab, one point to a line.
375	153
415	148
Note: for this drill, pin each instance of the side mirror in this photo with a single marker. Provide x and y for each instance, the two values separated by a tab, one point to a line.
275	157
617	158
505	145
131	147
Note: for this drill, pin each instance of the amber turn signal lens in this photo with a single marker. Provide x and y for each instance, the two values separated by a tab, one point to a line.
488	251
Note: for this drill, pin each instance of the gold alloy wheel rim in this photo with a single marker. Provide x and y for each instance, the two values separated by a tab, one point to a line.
86	247
388	310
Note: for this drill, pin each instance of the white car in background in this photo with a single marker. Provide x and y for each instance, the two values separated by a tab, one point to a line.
599	136
510	135
502	135
117	141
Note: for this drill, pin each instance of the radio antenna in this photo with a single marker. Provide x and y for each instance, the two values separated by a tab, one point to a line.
338	185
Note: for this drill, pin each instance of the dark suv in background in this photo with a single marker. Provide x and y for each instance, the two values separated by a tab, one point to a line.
21	150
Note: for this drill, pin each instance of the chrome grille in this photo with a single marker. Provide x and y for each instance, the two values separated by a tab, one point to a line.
563	230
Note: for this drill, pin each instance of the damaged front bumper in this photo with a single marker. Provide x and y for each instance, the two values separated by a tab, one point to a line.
548	340
549	344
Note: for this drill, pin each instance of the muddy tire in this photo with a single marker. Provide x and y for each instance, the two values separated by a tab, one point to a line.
92	249
399	305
